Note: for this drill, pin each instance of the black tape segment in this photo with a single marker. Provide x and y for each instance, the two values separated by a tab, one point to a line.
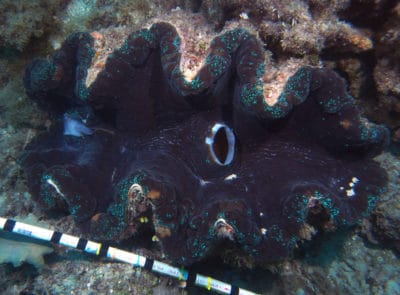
56	237
9	225
234	290
148	264
191	279
103	250
82	244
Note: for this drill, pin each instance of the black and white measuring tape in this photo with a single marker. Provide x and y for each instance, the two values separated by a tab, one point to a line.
103	250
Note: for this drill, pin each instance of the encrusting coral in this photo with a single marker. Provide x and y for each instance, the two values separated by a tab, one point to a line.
293	27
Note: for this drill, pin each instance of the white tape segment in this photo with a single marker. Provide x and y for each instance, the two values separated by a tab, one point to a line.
126	256
92	247
69	241
2	222
169	270
245	292
212	284
32	231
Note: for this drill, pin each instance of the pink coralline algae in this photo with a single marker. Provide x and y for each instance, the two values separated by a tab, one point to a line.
203	163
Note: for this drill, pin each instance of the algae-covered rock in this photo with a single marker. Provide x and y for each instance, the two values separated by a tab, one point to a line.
21	21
